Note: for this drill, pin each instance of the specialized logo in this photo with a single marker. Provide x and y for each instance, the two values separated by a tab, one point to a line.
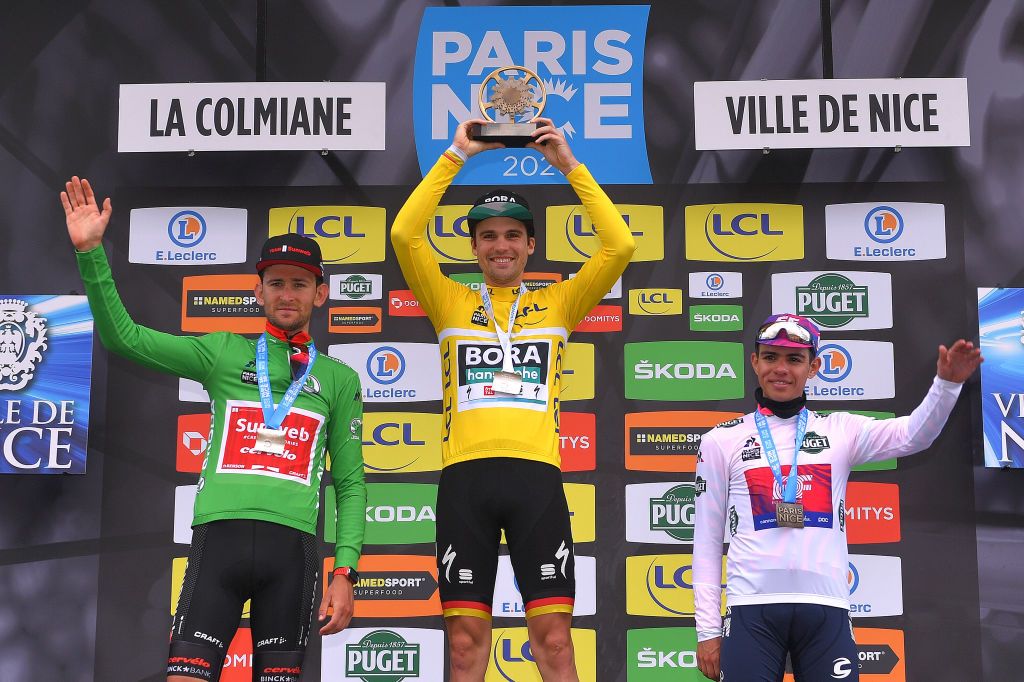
813	490
398	513
661	654
354	320
577	441
512	659
187	236
401	442
684	370
346	234
655	301
716	318
403	303
662	585
660	512
876	585
854	370
667	441
508	601
384	655
193	441
872	512
591	63
898	231
603	318
397	372
238	453
478	362
221	303
716	285
836	300
571	236
356	287
742	233
577	375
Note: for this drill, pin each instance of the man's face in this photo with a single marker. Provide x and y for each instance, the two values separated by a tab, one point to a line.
501	246
783	372
288	294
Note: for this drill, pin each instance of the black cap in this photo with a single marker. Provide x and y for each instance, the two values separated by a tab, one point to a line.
291	249
500	203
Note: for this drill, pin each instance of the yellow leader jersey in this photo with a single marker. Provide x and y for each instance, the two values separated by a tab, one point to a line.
477	422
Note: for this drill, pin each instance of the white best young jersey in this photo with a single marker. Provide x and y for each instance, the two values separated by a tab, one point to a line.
767	564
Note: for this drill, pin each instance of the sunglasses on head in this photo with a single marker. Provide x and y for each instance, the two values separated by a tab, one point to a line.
794	332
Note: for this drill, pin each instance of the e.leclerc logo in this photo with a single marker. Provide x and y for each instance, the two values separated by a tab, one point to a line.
895	231
684	370
591	63
393	372
175	235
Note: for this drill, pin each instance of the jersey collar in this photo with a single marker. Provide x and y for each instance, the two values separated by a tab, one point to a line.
783	410
297	339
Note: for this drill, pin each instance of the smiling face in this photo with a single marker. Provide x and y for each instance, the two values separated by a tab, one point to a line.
782	372
288	294
502	247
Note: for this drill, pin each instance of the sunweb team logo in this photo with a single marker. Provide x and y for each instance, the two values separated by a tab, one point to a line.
386	365
382	656
883	224
836	363
186	228
22	341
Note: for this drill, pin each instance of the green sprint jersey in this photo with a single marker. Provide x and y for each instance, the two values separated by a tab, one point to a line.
478	422
237	481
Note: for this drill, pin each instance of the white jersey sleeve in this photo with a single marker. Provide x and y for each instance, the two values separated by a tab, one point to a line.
709	529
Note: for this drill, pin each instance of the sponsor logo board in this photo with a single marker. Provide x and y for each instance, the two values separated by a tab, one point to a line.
836	300
346	234
403	303
880	658
221	303
571	237
1001	330
177	235
893	231
577	441
512	659
662	585
655	301
401	442
384	655
473	280
716	318
192	442
354	320
356	286
668	441
238	658
603	318
577	380
396	514
184	505
660	512
854	370
717	284
662	655
744	233
876	586
393	372
508	602
872	512
191	391
392	586
684	370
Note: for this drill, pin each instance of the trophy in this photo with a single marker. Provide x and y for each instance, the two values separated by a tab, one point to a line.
520	96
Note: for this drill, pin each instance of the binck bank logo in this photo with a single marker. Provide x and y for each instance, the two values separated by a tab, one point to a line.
382	656
744	232
346	234
836	300
684	370
591	64
356	287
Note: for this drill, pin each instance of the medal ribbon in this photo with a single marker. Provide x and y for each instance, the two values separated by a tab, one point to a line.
787	487
504	337
272	417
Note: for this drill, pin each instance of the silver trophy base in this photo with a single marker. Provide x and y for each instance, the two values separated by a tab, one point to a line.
508	134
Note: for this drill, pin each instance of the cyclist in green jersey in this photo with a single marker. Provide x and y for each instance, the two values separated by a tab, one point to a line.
254	525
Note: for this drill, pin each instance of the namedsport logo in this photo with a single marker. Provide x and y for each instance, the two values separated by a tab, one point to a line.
392	586
216	303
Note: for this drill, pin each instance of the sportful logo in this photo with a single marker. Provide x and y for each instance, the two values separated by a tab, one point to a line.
591	63
356	287
716	285
744	232
836	300
187	236
571	236
854	370
898	231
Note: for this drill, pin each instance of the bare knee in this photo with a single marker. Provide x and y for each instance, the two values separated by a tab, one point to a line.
468	641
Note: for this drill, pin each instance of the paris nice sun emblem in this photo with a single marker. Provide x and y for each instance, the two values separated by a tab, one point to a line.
22	338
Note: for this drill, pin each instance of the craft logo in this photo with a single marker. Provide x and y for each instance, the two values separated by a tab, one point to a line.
193	441
512	659
383	655
221	303
45	371
403	303
356	287
876	585
716	285
354	320
662	585
836	300
397	372
448	234
716	318
508	601
662	655
187	236
655	301
684	370
854	370
577	375
668	441
885	232
577	441
603	318
660	513
399	513
346	234
591	64
571	236
401	442
744	232
392	586
872	512
813	490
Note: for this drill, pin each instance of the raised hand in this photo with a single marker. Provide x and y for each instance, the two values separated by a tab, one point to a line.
86	222
464	141
550	142
959	361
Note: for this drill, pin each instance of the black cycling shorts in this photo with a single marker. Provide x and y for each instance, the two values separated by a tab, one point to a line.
233	560
479	498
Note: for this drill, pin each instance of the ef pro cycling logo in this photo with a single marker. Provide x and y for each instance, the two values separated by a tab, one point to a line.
186	228
836	363
591	65
386	365
883	224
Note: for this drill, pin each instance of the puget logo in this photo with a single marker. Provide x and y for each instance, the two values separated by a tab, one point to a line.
22	340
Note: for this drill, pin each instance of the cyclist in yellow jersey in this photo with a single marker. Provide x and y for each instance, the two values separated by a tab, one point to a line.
502	350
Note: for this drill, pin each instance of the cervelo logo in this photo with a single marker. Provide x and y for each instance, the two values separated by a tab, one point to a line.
397	372
391	654
896	231
854	370
508	601
872	512
192	442
356	286
403	303
590	61
876	585
571	236
346	234
401	442
716	284
744	232
512	659
660	585
174	235
577	441
655	301
836	299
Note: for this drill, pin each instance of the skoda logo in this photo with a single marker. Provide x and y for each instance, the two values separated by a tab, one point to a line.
186	228
386	365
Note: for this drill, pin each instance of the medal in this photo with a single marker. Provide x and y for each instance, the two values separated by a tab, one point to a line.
507	382
789	514
270	438
270	441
